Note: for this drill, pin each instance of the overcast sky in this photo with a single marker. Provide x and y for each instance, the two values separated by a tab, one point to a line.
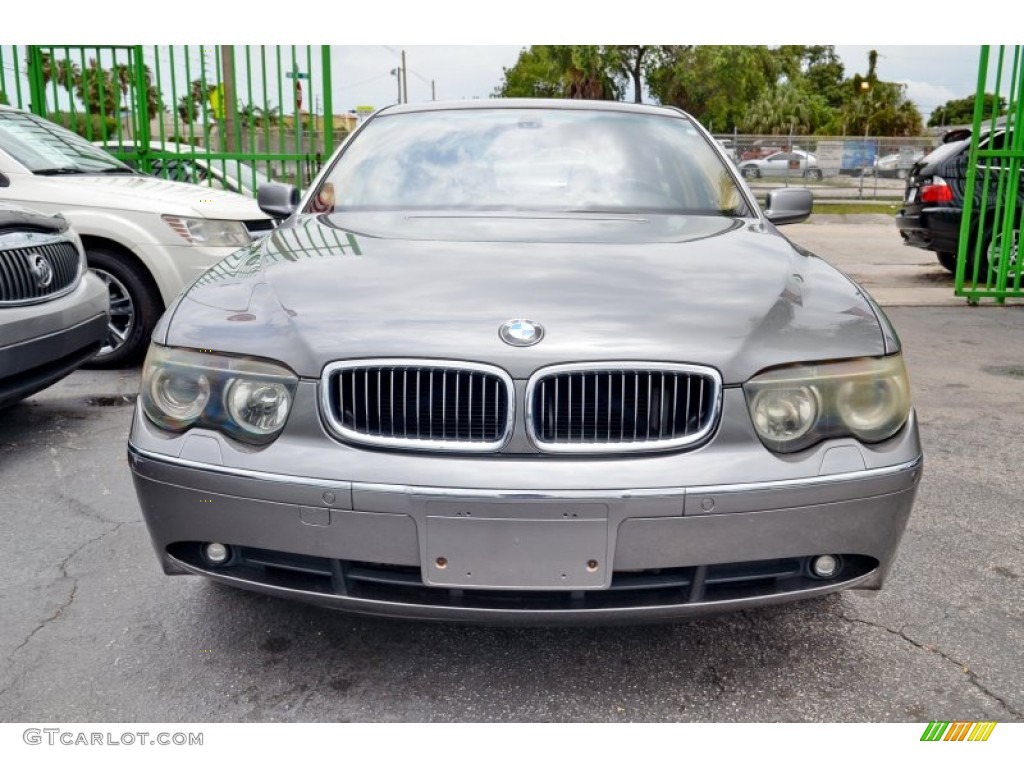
933	74
462	46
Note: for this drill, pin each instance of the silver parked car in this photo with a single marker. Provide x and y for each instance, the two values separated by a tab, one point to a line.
527	361
53	311
787	163
190	164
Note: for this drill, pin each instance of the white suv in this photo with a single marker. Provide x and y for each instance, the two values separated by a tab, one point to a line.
146	238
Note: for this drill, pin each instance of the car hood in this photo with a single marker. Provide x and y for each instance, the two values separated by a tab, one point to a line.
143	193
730	293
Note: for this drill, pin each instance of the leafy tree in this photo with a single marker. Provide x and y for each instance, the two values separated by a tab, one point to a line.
563	71
99	90
823	74
251	114
630	61
879	107
778	90
805	99
961	111
190	106
788	108
714	83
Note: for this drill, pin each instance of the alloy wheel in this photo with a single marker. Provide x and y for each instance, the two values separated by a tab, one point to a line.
122	313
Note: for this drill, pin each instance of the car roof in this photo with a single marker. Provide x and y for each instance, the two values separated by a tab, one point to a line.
568	104
170	146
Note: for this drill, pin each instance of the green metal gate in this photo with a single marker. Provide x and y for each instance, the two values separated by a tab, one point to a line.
988	262
226	116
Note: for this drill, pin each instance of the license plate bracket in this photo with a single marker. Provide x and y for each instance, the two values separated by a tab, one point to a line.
502	553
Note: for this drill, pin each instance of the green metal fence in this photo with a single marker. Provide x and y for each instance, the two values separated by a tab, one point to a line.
227	116
988	263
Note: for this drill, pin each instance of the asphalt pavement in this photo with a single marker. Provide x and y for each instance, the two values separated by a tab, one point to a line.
93	631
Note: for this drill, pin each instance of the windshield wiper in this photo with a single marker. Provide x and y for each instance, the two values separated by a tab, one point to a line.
117	170
58	171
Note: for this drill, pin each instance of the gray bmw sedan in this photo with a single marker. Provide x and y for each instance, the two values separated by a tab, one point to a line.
527	361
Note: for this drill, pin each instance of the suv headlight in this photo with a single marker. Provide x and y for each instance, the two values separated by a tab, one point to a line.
244	397
795	407
210	232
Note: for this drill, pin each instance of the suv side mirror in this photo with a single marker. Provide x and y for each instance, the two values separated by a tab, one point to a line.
277	200
788	206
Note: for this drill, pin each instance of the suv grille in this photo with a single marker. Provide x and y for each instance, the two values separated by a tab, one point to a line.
420	404
38	272
612	408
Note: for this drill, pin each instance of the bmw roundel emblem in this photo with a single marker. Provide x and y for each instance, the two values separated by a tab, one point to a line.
521	333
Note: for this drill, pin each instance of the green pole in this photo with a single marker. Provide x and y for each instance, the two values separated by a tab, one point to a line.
36	87
325	58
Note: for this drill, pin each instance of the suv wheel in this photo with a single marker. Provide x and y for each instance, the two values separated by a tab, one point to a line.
993	255
813	173
134	308
947	260
750	173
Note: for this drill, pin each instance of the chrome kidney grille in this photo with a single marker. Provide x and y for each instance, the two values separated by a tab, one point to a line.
420	404
38	272
621	407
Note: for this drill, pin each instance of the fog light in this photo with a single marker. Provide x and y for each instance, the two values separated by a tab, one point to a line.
825	566
216	553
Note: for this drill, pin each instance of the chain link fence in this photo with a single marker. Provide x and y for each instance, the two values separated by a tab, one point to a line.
844	167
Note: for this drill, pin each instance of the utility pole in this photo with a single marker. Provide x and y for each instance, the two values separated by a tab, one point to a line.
397	72
316	112
405	81
227	69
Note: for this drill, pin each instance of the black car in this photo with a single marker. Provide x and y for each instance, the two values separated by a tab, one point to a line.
934	200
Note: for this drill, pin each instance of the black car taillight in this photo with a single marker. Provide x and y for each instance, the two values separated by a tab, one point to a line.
936	191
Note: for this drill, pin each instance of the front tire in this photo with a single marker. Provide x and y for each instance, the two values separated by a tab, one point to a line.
750	173
135	307
813	173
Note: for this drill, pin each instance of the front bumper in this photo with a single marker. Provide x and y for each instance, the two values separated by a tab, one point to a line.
42	343
658	552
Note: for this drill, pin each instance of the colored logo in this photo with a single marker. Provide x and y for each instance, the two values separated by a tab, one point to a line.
521	333
958	731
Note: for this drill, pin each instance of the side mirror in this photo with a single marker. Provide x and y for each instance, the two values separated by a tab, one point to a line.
788	206
277	200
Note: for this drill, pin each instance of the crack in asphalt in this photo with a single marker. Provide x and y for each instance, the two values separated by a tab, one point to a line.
78	507
971	676
63	567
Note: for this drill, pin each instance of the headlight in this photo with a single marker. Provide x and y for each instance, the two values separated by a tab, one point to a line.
793	408
260	407
209	231
243	397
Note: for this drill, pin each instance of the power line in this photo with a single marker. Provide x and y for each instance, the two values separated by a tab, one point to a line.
364	82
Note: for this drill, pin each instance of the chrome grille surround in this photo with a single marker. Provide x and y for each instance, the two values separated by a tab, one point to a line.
18	285
435	394
608	427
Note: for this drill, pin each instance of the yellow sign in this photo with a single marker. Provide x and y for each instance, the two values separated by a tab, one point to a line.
217	101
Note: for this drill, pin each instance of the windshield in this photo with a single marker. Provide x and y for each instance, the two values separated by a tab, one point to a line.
530	159
45	147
